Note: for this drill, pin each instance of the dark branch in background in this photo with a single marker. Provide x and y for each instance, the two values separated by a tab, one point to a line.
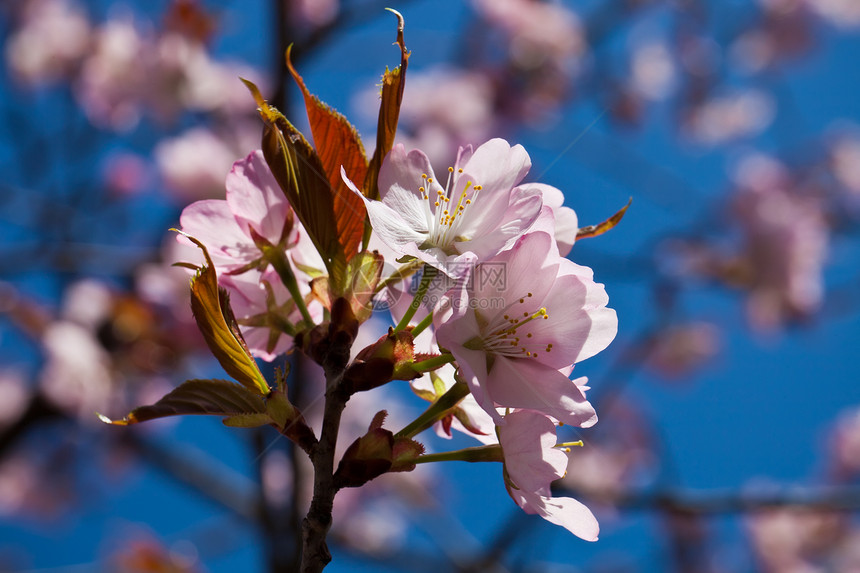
732	501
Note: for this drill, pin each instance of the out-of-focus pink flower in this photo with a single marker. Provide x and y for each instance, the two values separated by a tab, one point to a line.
681	348
77	373
840	13
15	393
114	74
445	109
478	213
845	161
788	540
194	164
845	444
602	472
532	462
185	76
126	174
52	37
730	116
653	70
538	31
314	12
523	318
785	245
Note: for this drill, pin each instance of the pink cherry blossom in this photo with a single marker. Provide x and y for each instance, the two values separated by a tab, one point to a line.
479	212
532	462
518	325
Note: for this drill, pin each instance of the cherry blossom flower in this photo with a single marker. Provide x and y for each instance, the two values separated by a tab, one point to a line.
532	462
478	213
520	323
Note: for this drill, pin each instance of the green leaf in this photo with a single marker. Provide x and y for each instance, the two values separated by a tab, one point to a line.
202	397
600	228
393	84
302	177
211	308
338	145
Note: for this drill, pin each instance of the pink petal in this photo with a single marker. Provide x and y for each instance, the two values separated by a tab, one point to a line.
564	511
514	273
497	166
520	213
255	198
527	441
399	180
212	222
526	383
563	222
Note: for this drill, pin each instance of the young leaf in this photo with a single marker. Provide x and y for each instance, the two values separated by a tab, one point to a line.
302	177
202	397
600	228
393	83
211	308
364	272
337	144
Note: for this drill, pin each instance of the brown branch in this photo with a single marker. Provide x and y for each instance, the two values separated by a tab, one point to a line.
315	526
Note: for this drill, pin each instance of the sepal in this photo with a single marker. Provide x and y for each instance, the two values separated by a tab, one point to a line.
375	453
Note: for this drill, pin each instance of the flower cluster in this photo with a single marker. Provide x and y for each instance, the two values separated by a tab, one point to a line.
489	315
499	309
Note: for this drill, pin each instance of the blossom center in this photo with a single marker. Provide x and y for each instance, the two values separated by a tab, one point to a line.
446	210
508	335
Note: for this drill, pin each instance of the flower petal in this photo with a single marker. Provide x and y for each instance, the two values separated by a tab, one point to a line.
564	511
527	441
526	383
255	198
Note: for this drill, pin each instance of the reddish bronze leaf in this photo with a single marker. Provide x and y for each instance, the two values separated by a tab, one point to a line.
302	177
600	228
393	83
337	144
